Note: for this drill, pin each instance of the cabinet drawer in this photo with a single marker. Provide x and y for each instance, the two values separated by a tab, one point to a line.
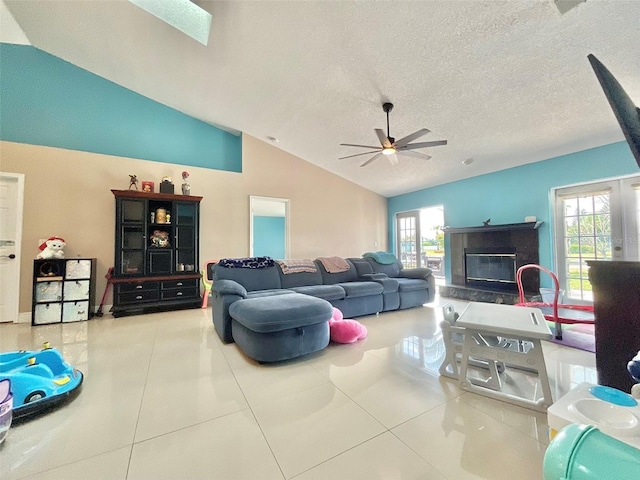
136	286
47	313
76	290
48	291
138	297
78	269
188	282
180	293
75	311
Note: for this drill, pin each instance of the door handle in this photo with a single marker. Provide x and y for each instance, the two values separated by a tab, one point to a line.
10	256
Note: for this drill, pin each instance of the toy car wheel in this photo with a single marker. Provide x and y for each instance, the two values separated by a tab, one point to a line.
33	396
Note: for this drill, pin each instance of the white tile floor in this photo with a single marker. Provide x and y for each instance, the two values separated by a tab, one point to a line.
164	398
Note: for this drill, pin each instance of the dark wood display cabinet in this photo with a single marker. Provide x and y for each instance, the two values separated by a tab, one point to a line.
156	264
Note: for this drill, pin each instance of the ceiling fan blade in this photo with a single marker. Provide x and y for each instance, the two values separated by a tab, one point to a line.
393	159
384	141
408	153
409	138
413	146
375	157
358	154
356	145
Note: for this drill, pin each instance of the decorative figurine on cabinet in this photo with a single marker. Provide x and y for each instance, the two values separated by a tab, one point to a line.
53	247
160	239
166	186
186	188
133	181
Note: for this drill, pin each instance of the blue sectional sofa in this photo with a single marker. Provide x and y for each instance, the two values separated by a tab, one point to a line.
365	288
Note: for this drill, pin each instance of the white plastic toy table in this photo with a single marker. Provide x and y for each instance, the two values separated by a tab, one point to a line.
518	323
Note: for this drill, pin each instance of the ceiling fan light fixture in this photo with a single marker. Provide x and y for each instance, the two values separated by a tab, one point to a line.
388	150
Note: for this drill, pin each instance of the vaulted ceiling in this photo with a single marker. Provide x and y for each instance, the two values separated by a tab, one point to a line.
505	82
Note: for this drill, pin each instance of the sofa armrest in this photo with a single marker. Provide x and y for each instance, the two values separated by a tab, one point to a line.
389	285
374	276
420	273
229	287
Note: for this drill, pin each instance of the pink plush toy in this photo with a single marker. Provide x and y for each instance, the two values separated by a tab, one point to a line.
345	331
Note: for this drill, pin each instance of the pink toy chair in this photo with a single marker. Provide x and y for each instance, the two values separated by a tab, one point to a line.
562	314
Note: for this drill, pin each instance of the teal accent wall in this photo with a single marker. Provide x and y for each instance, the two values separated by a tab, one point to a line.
268	237
510	195
47	101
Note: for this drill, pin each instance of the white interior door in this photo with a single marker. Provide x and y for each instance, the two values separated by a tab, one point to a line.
11	200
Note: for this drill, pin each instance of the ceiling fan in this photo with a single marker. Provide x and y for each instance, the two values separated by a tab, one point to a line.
391	148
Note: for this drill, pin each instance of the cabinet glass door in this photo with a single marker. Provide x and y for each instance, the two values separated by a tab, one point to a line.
185	237
132	237
132	211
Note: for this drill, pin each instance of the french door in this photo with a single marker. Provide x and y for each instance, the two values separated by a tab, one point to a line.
420	239
408	238
597	221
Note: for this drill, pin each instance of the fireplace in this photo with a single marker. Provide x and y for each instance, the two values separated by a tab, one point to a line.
491	268
486	258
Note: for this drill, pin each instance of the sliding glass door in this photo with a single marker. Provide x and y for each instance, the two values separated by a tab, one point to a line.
597	221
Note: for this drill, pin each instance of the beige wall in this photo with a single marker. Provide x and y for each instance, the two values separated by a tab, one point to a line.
67	193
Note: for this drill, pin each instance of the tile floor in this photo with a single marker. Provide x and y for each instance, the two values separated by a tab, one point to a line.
163	398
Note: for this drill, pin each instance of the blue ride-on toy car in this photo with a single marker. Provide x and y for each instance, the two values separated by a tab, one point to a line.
39	379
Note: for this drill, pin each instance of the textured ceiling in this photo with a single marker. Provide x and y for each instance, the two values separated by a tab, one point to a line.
505	82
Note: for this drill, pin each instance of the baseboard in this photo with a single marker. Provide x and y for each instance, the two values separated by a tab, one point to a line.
25	317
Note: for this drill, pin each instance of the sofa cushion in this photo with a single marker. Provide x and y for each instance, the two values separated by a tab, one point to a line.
390	285
411	284
421	273
327	292
350	275
391	269
300	279
280	312
361	289
363	267
250	278
268	293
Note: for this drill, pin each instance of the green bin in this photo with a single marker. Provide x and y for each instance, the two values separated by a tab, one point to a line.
582	452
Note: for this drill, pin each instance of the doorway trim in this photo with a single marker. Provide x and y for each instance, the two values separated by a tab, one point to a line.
17	250
253	200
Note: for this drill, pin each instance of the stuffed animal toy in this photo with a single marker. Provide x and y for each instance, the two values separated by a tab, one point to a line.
52	248
345	331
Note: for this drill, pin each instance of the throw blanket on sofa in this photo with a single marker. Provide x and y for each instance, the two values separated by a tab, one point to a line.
384	258
297	266
251	262
334	264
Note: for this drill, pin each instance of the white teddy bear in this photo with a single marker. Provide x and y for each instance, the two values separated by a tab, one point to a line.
52	248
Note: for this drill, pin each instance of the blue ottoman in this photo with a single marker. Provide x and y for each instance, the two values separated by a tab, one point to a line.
281	327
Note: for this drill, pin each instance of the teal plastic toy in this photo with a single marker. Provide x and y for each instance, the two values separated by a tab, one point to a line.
582	452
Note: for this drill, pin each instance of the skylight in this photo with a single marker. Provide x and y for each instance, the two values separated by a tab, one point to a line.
184	15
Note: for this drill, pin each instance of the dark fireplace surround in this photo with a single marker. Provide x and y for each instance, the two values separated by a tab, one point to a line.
483	257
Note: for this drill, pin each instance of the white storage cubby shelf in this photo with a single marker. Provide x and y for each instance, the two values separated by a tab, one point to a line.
64	290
